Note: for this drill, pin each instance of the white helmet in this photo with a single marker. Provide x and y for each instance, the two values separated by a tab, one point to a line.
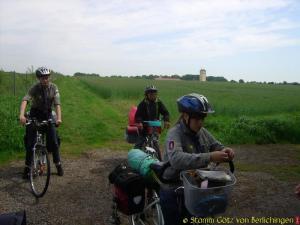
42	71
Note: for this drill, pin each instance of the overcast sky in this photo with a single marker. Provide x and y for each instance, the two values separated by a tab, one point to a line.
254	40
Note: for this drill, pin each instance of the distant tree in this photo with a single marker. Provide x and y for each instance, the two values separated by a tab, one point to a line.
78	74
190	77
212	78
233	81
241	81
175	76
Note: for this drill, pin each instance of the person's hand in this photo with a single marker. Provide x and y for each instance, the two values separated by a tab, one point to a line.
219	156
166	125
22	119
58	122
229	152
297	190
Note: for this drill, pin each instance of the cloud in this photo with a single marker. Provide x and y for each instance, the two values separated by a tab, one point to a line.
95	36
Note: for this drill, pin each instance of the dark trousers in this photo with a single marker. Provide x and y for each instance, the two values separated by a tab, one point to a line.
52	142
172	205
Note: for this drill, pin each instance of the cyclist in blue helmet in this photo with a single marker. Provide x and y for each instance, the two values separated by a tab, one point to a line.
42	95
188	146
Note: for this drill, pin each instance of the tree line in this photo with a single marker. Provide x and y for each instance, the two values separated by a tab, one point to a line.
189	77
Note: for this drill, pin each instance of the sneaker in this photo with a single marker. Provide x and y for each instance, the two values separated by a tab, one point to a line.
60	171
26	173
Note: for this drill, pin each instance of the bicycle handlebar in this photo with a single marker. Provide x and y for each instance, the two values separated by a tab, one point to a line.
37	123
159	168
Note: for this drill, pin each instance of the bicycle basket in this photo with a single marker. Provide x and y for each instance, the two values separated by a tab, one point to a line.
206	200
152	126
153	123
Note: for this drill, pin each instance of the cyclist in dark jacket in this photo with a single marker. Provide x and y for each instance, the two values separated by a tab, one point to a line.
188	146
150	109
43	95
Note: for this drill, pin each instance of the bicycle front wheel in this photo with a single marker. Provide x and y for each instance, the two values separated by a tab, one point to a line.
40	172
151	215
156	148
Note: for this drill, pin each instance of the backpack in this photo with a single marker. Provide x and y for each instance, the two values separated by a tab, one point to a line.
131	132
128	189
13	218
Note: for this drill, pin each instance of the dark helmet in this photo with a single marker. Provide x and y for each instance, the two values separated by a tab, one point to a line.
150	89
194	104
42	71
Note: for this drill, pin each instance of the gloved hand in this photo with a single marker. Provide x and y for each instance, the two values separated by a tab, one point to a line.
166	125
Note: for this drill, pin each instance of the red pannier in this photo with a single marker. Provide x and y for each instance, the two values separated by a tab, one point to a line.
132	132
128	189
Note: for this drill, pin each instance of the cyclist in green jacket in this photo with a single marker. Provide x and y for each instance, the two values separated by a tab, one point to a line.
42	95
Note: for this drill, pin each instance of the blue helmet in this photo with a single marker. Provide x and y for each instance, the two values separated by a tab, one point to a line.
194	104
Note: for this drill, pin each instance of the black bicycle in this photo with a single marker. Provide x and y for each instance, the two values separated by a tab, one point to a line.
40	165
153	130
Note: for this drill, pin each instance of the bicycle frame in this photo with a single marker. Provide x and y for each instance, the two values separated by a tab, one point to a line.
152	136
153	207
40	141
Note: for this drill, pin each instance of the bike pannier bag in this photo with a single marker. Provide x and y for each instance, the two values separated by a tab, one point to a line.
132	134
13	218
132	131
131	115
128	190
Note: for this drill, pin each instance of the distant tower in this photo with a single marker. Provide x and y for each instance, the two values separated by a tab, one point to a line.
202	76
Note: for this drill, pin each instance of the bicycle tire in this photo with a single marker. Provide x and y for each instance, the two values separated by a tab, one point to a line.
151	215
40	172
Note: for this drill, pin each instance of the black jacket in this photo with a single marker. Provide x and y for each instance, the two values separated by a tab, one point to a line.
148	110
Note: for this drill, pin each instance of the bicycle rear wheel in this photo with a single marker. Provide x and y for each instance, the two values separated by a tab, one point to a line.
40	172
151	215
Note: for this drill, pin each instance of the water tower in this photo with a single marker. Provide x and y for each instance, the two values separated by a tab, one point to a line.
202	76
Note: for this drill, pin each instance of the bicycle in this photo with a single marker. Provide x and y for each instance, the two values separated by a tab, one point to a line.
153	130
201	200
150	213
39	174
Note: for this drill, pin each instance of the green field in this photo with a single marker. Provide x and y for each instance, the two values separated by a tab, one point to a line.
95	111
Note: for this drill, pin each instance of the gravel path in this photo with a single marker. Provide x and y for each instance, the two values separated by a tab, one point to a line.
83	197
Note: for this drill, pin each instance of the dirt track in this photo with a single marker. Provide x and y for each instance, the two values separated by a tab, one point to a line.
82	196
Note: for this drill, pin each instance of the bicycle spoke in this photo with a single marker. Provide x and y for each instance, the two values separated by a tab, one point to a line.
151	215
40	172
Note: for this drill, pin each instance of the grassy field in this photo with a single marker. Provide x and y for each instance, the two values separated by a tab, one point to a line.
95	111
